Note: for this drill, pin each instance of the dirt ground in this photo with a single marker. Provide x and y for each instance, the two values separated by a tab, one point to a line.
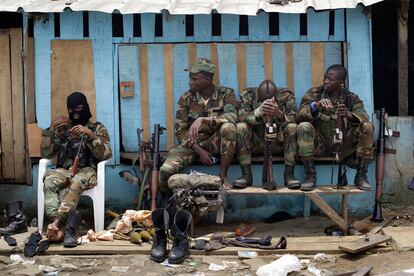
382	262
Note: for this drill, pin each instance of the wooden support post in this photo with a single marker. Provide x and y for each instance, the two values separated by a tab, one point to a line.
328	211
345	207
306	207
402	18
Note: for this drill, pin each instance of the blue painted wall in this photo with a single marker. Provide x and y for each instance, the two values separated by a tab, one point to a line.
109	71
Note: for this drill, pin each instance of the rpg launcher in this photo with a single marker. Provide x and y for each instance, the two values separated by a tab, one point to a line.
379	168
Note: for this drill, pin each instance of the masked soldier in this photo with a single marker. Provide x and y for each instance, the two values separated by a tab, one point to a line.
318	113
66	139
256	104
204	125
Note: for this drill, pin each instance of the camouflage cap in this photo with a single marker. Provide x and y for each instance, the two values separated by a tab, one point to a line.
202	65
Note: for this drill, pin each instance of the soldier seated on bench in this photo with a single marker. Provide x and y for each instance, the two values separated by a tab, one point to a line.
205	125
318	113
255	104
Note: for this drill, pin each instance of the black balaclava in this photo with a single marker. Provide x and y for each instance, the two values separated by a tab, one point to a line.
73	100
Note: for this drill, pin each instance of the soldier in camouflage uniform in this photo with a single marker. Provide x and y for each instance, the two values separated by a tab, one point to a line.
318	113
204	125
254	106
63	140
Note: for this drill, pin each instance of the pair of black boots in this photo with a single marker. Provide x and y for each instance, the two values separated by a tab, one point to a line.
179	232
15	218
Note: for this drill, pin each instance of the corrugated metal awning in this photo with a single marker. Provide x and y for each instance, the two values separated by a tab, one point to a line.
247	7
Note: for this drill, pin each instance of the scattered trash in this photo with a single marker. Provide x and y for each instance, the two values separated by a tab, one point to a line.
324	258
304	263
216	267
312	269
48	269
281	267
247	254
120	269
68	267
193	264
167	264
227	264
16	258
199	273
31	262
254	263
244	230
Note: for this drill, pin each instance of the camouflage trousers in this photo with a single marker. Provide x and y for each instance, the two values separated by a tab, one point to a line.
55	181
222	142
358	142
248	144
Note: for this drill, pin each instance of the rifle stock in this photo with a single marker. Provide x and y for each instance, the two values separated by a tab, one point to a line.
75	165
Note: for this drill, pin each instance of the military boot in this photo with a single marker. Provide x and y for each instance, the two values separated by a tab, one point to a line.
361	179
290	180
71	230
245	179
15	218
181	242
159	244
310	176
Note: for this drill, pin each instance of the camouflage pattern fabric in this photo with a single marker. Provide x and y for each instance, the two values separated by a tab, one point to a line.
218	139
63	147
251	130
315	134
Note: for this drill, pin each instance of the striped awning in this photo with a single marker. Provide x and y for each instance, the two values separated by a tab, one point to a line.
247	7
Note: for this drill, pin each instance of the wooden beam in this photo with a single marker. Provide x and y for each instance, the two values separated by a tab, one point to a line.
318	63
321	203
241	66
364	243
268	60
345	205
290	75
169	93
402	19
143	77
192	53
214	59
6	111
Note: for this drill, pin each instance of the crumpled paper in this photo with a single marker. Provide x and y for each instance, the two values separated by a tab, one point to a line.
91	236
124	225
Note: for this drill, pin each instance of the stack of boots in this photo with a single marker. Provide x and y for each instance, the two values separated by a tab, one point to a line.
159	243
71	229
290	181
245	179
224	167
181	242
15	218
361	179
310	179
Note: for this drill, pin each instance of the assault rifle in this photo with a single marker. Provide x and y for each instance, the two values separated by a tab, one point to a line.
271	130
156	161
338	142
74	168
144	151
379	168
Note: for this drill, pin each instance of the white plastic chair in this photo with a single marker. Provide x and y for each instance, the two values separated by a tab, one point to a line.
97	194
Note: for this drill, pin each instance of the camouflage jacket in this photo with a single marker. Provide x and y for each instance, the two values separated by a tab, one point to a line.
325	121
58	143
285	99
222	106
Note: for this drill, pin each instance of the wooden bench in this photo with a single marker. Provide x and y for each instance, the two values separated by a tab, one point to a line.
314	196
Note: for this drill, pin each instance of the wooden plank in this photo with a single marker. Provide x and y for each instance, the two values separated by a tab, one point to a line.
321	203
19	142
202	27
364	244
72	70
363	271
30	81
318	63
143	65
214	59
268	60
169	93
290	75
318	25
258	30
6	124
328	190
34	136
345	205
241	66
192	53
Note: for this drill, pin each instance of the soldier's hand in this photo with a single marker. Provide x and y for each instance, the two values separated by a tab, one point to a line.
80	129
195	127
324	104
205	157
343	111
59	121
270	107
